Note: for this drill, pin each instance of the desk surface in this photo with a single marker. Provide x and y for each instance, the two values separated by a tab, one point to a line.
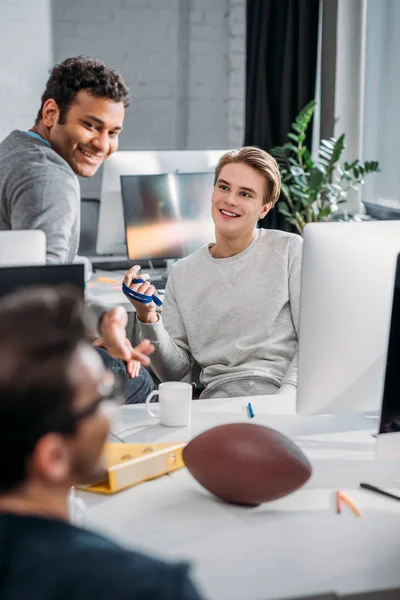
291	547
105	286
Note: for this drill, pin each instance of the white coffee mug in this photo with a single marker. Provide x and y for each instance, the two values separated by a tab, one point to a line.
174	403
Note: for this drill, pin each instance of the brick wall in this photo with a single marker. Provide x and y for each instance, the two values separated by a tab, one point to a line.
192	100
25	59
140	38
208	74
237	64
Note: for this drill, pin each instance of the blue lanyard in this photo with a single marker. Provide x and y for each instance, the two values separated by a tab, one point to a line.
140	297
38	137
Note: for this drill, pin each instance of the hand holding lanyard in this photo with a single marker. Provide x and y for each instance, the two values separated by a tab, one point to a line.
137	297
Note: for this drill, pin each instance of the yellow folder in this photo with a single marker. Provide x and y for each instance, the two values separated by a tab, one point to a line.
130	464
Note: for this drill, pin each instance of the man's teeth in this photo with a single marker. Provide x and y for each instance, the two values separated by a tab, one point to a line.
229	214
87	153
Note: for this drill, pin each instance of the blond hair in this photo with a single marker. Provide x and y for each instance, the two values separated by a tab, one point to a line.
260	161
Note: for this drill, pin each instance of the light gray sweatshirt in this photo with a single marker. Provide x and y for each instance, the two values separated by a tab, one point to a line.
236	317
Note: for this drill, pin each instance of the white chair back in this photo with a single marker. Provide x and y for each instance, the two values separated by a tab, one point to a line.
22	248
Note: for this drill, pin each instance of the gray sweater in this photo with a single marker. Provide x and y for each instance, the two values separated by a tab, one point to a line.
237	317
39	190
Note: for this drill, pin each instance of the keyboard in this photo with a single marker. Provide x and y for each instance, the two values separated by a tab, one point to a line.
123	265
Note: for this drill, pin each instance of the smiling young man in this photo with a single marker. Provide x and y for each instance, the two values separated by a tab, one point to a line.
81	115
232	307
56	400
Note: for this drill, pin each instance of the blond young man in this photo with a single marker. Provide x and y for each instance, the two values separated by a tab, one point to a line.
232	307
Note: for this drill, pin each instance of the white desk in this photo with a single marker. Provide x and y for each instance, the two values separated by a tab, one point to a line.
291	547
105	287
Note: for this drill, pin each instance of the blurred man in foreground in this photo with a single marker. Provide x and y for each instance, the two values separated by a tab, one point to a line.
56	398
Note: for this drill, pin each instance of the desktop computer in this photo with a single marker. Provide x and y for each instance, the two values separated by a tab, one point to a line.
111	233
388	446
167	216
346	302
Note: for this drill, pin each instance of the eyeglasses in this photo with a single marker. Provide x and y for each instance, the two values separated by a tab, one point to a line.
110	396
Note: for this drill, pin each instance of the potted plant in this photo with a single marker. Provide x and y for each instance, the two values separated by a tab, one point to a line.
313	189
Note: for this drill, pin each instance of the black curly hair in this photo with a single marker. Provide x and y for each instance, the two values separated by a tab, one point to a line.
83	73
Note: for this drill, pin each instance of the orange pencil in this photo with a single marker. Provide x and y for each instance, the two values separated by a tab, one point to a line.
349	503
107	280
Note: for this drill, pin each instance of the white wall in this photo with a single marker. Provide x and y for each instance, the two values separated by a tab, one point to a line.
237	76
208	74
193	100
25	60
382	90
349	90
184	61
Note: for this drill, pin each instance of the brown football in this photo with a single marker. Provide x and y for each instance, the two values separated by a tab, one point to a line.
247	464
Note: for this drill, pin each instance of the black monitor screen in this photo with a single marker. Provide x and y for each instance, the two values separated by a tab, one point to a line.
15	278
390	420
168	215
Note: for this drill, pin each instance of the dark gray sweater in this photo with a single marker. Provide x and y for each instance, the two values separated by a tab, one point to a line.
45	559
39	190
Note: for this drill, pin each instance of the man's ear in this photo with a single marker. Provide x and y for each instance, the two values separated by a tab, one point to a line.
50	113
265	210
50	459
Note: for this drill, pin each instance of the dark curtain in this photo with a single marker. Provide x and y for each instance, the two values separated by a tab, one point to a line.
281	65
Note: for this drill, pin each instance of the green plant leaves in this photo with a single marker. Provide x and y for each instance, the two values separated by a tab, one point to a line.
312	190
317	177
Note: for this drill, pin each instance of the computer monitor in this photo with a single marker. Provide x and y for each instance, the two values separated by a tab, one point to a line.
111	230
390	415
167	216
19	278
346	298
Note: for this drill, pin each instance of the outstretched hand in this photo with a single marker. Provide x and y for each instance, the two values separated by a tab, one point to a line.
113	338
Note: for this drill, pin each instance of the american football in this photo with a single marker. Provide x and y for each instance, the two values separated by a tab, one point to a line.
247	464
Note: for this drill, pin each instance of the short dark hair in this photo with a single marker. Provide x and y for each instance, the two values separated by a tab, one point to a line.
40	331
83	73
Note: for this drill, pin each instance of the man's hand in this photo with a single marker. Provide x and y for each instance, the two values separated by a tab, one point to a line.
144	312
133	368
113	338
